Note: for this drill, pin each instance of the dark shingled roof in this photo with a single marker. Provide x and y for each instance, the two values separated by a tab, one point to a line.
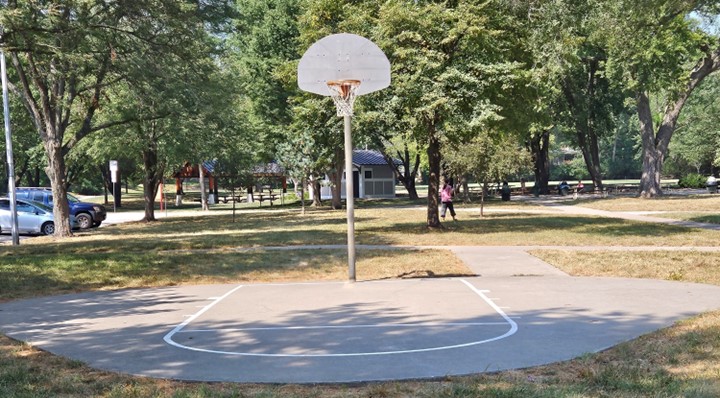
268	169
365	157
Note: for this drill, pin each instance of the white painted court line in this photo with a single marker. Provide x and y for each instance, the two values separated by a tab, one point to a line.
168	337
380	325
179	329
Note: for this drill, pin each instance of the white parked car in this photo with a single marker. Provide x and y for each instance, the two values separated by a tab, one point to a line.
33	217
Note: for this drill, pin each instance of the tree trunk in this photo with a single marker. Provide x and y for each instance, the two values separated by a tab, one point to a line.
466	189
56	172
434	158
203	196
583	116
591	155
336	177
4	180
302	195
107	181
482	199
540	149
153	175
317	195
652	157
407	177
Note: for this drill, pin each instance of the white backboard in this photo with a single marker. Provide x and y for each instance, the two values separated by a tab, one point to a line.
343	56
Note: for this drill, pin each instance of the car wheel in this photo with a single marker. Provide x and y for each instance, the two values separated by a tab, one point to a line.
48	228
84	220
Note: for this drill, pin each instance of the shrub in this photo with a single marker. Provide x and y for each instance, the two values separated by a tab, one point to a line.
692	181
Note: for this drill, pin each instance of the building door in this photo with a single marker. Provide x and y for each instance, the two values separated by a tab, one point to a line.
356	184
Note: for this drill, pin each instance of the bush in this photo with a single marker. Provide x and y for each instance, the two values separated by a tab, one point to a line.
86	187
573	170
692	181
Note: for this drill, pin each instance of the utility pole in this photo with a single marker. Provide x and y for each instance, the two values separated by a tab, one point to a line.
8	147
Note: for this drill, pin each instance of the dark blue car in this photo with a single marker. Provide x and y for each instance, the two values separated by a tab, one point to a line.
87	215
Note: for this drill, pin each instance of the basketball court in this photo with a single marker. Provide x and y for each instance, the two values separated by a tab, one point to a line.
350	332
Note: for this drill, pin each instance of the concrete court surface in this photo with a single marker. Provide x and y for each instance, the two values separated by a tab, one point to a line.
518	312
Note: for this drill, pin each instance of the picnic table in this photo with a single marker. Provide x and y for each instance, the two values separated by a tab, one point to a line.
261	197
228	197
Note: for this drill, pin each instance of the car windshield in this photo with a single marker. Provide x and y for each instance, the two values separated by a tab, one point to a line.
72	199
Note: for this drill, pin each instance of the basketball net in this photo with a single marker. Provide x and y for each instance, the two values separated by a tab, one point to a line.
343	94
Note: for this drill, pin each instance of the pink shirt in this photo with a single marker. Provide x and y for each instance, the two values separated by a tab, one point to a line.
446	194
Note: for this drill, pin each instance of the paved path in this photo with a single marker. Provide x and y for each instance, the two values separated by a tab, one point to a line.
518	312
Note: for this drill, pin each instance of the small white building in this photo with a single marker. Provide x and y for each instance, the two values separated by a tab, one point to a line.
372	177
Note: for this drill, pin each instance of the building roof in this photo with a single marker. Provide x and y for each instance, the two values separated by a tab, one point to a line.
268	169
368	157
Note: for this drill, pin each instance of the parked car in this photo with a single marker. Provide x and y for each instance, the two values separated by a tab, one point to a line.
86	214
33	217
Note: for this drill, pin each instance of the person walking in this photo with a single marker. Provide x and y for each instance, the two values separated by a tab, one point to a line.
505	191
446	198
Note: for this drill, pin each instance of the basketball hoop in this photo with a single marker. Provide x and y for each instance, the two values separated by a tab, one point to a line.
334	66
343	93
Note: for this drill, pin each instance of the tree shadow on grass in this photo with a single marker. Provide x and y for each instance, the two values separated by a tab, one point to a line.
708	219
474	230
24	276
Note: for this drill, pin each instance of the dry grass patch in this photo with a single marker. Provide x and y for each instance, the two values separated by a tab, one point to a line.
34	275
374	226
689	266
664	203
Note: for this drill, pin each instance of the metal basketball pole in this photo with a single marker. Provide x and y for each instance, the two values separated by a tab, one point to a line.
349	198
9	150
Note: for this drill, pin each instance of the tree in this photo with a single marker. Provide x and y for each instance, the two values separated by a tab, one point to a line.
570	66
448	63
698	129
488	159
297	156
262	50
382	122
406	172
657	49
67	55
539	146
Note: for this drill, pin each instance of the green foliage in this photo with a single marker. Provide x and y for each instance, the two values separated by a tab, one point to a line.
649	42
692	181
697	140
487	159
573	170
620	150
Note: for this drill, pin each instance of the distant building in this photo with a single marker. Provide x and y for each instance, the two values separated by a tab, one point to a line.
372	177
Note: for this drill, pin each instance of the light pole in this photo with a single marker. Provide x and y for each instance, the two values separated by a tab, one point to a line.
9	150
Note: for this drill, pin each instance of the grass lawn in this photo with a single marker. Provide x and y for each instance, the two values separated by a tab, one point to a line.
683	360
667	203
